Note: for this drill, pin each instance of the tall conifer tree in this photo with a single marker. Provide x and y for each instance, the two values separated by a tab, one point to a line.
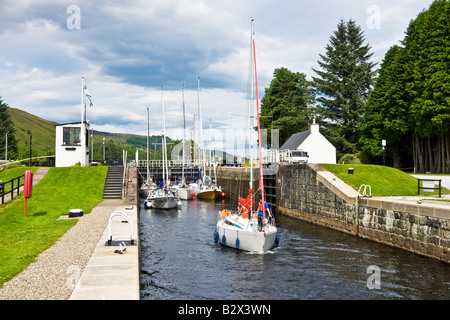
427	47
386	111
343	85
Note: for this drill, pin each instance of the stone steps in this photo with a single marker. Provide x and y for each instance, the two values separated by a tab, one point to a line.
113	183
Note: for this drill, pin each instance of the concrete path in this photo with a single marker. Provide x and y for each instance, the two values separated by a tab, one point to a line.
40	173
445	180
110	275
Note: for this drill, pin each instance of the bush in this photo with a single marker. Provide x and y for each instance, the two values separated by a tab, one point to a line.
350	159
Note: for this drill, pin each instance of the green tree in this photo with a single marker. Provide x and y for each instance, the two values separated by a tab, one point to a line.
427	51
7	128
285	103
343	85
387	111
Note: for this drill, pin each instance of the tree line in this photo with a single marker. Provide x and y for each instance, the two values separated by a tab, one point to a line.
406	102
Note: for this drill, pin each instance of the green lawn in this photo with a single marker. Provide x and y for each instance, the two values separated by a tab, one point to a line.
23	238
384	181
12	173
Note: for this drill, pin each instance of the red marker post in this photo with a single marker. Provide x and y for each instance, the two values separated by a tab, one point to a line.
27	187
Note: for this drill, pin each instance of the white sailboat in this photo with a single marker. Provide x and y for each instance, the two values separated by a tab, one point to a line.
247	229
163	197
207	188
148	185
183	189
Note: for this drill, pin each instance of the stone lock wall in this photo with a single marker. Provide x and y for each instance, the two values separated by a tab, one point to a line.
310	193
235	182
300	194
419	228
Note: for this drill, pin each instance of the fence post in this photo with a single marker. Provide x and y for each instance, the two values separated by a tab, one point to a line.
18	185
440	188
418	187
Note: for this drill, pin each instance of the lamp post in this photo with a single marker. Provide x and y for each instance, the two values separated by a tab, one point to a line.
92	145
31	137
103	150
383	146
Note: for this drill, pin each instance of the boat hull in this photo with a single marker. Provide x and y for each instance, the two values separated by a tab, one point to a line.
162	202
144	192
185	194
209	194
250	238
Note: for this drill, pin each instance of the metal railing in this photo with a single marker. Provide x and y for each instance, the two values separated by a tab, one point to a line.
170	163
364	187
426	186
15	186
33	161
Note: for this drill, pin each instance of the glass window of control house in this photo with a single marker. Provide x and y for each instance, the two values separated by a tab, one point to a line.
71	136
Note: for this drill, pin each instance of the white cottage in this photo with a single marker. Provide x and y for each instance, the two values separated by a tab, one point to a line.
72	144
319	149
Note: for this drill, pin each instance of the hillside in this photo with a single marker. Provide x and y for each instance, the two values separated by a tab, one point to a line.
43	140
43	136
43	133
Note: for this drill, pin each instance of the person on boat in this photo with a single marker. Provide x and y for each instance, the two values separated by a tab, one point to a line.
243	211
246	202
261	208
225	213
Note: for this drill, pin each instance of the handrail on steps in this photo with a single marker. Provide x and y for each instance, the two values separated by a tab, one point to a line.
364	194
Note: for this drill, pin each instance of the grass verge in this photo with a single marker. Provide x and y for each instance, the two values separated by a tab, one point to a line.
8	174
22	238
384	181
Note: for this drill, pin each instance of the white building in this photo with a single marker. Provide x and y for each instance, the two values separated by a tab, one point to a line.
319	149
72	144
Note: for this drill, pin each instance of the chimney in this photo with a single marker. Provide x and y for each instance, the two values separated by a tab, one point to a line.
314	127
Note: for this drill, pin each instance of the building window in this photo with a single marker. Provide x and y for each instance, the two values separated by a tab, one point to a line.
71	136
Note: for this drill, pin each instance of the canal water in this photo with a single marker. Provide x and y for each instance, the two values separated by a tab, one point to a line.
180	260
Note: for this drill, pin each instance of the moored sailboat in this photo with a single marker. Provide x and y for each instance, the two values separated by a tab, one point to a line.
245	228
206	189
183	189
163	197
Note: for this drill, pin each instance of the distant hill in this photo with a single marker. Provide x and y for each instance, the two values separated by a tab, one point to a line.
43	136
43	140
43	133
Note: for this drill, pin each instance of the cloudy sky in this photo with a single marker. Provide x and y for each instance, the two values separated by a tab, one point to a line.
128	50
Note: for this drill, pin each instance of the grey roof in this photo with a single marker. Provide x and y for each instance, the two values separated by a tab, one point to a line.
295	140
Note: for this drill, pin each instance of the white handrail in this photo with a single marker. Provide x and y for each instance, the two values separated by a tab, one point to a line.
364	191
123	215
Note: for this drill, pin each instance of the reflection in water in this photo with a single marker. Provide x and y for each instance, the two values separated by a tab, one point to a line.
181	261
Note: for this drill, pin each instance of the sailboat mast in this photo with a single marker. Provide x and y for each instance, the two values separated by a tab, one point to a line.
251	112
250	123
201	131
148	138
184	133
163	146
261	176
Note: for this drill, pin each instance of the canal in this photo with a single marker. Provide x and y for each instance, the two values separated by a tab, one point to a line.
181	261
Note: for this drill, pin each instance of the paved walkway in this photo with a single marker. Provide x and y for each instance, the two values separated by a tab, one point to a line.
445	180
55	272
109	274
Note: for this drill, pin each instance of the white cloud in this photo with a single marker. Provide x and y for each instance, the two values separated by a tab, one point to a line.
127	50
